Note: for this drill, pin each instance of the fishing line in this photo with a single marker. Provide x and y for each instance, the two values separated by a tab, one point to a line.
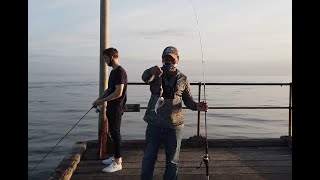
58	143
206	156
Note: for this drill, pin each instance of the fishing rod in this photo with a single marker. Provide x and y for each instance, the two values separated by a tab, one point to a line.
205	158
58	143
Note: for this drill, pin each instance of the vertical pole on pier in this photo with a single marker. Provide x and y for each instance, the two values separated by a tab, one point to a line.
103	78
290	110
199	98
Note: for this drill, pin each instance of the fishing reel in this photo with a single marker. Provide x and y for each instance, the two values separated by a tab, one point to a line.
205	160
98	108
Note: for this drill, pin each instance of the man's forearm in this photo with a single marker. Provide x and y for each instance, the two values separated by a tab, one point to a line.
103	94
111	96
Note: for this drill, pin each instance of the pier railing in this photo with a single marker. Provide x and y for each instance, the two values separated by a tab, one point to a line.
200	84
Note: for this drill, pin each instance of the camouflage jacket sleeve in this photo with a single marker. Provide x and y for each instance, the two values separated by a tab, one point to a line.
147	75
187	97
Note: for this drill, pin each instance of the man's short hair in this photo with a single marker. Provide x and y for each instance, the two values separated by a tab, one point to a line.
111	52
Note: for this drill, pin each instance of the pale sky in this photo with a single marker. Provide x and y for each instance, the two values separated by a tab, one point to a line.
259	31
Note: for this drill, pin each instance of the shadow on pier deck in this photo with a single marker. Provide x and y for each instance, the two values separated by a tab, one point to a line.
236	159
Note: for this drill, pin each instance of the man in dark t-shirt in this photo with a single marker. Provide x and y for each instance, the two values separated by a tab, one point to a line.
117	76
116	96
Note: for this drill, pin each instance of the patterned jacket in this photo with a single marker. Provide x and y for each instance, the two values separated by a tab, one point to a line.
169	115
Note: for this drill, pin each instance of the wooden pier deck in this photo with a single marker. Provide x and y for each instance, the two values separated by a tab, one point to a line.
230	159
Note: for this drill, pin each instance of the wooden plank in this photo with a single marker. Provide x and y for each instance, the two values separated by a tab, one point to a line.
215	163
139	151
69	163
192	142
231	162
193	170
192	177
133	156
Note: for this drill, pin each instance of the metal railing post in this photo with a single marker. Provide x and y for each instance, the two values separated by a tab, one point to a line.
290	110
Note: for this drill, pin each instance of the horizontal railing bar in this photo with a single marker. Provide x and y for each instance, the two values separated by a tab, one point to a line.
253	84
249	107
237	84
238	107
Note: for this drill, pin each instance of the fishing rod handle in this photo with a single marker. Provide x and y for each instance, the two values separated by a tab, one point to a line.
99	108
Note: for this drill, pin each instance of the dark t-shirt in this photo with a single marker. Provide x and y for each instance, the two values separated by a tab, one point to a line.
117	76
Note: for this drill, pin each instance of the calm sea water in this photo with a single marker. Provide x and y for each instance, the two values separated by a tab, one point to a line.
56	102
